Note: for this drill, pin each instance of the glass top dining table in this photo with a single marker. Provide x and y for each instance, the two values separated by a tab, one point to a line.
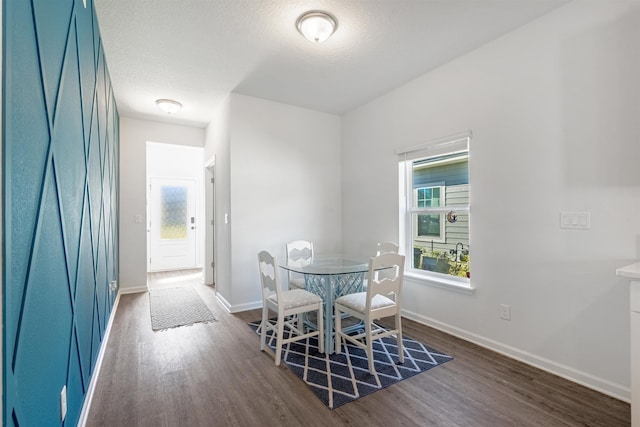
328	264
330	277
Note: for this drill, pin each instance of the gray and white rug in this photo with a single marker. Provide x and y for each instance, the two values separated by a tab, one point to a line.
337	379
174	307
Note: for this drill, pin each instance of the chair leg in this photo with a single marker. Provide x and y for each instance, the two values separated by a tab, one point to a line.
300	322
279	338
372	368
399	338
320	329
263	325
338	329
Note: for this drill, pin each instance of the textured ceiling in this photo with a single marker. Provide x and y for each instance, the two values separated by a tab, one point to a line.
198	51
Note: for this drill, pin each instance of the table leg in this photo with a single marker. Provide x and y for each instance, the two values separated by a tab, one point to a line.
328	314
328	287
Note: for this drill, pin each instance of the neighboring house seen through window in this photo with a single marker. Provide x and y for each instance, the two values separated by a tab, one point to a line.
436	210
429	227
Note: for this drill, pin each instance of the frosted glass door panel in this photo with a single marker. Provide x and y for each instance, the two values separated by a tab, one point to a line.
173	212
172	223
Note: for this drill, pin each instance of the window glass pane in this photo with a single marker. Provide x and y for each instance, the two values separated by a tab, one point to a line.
441	239
429	225
428	197
448	256
452	170
173	216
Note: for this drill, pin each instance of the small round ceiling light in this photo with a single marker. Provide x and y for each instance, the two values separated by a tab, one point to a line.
169	106
316	26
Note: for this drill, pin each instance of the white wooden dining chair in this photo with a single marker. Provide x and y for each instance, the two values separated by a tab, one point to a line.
299	252
288	305
387	247
380	300
382	248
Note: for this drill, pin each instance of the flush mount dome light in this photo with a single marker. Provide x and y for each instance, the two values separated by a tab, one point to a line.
316	26
168	105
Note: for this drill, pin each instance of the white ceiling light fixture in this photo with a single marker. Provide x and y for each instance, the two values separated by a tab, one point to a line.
169	106
316	26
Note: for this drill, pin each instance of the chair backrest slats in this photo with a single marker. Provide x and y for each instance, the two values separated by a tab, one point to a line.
392	264
299	254
299	251
387	247
268	266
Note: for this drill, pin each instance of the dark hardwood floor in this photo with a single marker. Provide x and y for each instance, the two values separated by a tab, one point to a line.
215	375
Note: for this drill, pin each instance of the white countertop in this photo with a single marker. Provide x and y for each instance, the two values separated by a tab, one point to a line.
631	271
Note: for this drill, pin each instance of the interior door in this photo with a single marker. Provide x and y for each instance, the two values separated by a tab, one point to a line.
172	224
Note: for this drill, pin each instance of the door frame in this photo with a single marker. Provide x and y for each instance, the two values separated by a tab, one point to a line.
211	262
171	169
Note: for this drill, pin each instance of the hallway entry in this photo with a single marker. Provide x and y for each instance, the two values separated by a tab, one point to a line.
174	279
175	207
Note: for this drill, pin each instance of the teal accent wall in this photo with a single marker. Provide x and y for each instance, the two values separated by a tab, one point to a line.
60	207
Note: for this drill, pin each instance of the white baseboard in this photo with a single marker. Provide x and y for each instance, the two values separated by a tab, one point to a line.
237	308
133	290
86	406
601	385
223	302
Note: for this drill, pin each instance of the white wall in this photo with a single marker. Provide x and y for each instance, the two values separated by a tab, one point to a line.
134	135
217	145
285	184
554	110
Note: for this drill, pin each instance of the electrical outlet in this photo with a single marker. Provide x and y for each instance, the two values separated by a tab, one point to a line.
505	311
63	403
113	286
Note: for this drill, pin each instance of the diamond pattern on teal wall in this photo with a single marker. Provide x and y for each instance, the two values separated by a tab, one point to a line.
60	178
37	349
52	26
86	62
68	151
27	160
85	296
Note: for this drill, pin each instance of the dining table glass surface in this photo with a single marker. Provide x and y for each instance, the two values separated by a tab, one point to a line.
328	264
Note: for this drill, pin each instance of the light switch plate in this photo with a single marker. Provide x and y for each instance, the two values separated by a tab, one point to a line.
575	220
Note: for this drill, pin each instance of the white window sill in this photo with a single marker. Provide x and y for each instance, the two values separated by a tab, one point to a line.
440	282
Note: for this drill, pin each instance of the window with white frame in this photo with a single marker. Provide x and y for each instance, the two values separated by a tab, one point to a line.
435	209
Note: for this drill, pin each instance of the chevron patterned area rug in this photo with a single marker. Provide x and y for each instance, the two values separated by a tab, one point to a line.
174	307
342	378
